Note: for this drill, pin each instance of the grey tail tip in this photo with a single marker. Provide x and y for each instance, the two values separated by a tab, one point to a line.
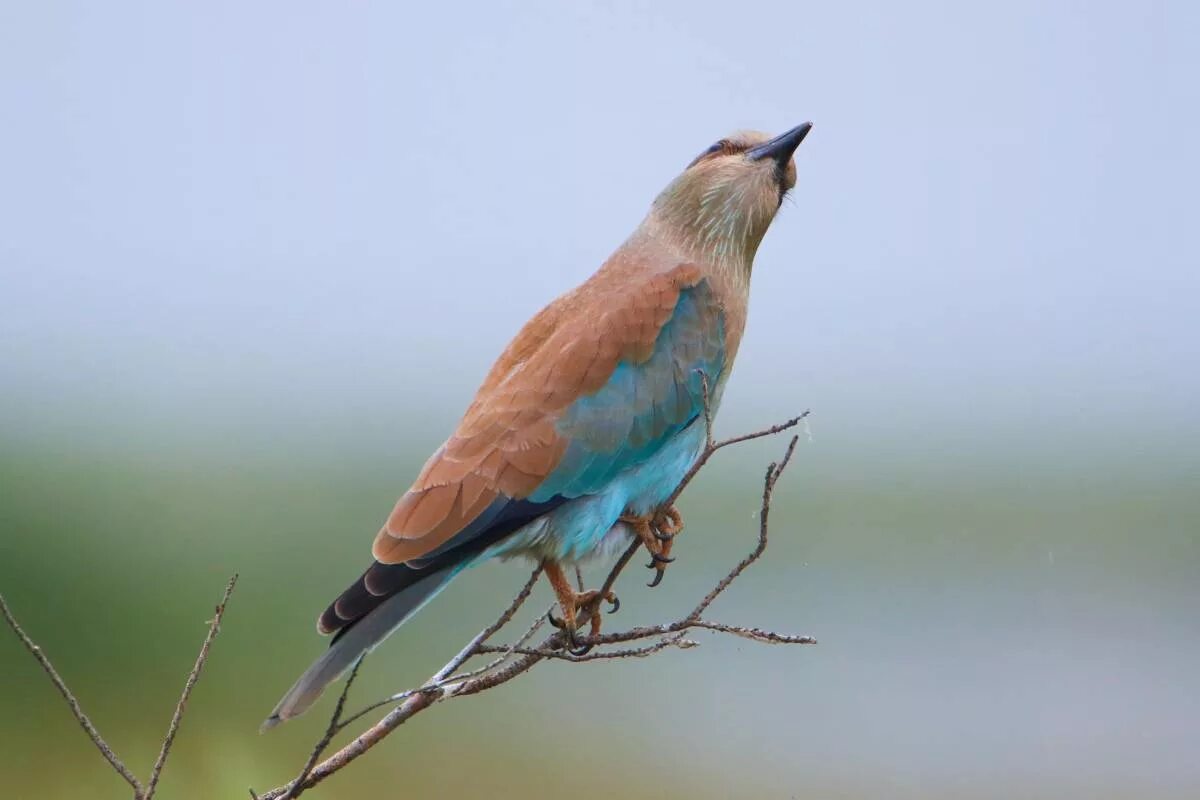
355	640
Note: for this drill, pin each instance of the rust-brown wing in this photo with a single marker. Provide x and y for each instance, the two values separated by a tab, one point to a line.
476	486
507	442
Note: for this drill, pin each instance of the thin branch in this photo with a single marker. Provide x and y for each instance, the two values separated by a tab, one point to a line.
387	701
412	706
505	652
76	709
711	446
754	634
674	640
771	431
330	732
501	621
503	675
619	567
773	472
140	792
361	744
414	702
456	678
213	628
706	398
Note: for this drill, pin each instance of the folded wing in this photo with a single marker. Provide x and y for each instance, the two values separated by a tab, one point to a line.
595	383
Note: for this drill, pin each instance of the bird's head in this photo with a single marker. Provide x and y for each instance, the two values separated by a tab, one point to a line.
720	207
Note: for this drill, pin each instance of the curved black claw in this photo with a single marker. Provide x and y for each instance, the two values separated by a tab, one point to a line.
615	603
580	649
573	645
658	576
570	633
659	558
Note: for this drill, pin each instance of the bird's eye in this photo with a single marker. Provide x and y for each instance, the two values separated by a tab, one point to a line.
723	147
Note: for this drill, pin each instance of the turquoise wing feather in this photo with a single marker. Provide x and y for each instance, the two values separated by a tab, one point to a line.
641	408
643	405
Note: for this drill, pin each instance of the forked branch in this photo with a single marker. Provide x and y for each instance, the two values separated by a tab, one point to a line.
140	791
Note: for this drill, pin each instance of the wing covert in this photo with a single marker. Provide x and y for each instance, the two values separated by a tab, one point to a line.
595	383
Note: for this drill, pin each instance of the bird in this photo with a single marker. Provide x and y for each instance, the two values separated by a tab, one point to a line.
589	419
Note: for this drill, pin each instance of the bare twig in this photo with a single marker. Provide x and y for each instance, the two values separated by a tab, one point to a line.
431	688
487	633
774	470
673	640
619	567
711	446
515	659
754	634
505	652
414	701
330	731
213	627
76	709
140	792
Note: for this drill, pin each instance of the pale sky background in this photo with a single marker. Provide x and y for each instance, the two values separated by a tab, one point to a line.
303	213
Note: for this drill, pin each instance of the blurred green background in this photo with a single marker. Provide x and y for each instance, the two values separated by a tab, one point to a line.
996	619
254	259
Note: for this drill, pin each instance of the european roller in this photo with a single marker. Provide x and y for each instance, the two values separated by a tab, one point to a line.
589	419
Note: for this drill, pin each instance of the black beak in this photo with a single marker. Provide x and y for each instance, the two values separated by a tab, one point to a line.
780	148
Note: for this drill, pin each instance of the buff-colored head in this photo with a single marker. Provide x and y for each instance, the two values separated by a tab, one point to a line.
723	203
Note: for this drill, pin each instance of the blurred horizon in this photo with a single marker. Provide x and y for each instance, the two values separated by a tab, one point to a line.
256	259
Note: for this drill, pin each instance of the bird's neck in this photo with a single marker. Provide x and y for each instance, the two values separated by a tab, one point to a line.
657	245
727	256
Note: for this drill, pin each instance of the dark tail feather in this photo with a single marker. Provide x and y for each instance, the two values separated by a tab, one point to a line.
388	594
357	637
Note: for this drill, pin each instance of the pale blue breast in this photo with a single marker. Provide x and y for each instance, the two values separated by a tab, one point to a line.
574	530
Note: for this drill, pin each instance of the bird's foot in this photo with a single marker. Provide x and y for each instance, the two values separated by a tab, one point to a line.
583	606
657	531
577	607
